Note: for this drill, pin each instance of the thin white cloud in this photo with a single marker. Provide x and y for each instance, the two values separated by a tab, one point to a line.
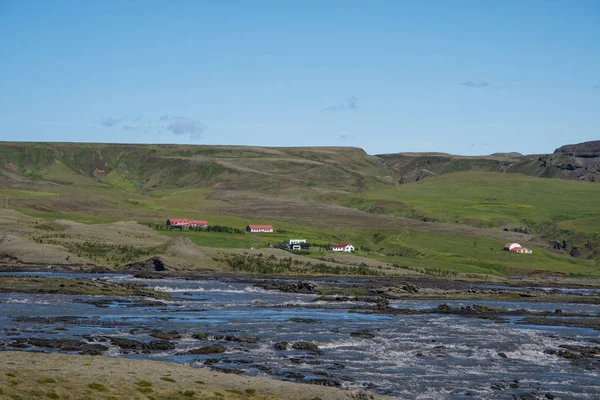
474	84
350	104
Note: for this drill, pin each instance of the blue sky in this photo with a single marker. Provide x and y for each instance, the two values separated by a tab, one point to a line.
466	77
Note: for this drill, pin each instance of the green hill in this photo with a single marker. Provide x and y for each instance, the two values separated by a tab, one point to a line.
436	211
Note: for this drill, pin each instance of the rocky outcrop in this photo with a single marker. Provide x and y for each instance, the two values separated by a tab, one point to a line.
152	264
574	161
290	287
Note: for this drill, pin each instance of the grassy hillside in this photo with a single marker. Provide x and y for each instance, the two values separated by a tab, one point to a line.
457	222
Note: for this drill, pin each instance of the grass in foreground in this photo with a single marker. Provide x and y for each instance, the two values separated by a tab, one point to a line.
25	376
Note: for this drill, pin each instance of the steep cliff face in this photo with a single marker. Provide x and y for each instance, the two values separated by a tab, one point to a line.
574	161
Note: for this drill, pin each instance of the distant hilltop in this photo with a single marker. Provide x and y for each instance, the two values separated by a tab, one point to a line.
574	161
150	166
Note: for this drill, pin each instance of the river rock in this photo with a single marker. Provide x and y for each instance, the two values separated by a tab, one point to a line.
281	345
200	335
290	287
166	335
152	264
303	320
323	382
308	346
236	338
212	349
159	345
363	334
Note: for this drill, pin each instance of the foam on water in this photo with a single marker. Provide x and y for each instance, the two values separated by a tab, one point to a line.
403	359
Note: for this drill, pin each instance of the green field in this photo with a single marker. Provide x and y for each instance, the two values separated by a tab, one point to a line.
454	222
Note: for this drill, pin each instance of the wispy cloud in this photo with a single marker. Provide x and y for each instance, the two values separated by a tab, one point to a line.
350	104
345	137
597	86
475	84
186	126
109	122
165	124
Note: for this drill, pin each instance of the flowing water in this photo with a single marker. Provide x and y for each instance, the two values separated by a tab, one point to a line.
424	356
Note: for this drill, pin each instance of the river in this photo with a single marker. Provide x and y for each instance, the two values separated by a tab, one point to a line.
428	356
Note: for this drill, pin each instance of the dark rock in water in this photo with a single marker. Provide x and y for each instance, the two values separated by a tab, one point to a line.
128	344
211	361
97	270
306	346
60	344
550	396
159	345
290	287
212	349
323	382
166	335
200	335
149	275
67	319
382	304
321	373
363	334
281	345
93	350
303	320
294	375
236	338
503	355
263	368
152	264
528	396
235	371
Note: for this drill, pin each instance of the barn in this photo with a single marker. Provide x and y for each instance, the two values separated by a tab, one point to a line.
517	248
180	223
198	224
259	228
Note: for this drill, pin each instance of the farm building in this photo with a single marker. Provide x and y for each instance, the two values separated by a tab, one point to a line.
342	247
198	224
517	248
181	223
184	223
259	228
296	244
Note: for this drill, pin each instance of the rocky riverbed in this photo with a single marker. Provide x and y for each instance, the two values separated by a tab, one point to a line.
333	333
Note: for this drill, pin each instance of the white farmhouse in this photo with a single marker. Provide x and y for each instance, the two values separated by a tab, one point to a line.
347	247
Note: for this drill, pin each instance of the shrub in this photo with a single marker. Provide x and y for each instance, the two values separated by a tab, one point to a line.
97	386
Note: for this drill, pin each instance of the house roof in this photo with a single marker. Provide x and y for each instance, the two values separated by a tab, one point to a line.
179	220
341	245
261	226
198	221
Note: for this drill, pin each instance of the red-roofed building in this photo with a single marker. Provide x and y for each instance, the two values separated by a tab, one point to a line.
181	223
342	247
259	228
517	248
184	223
198	224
